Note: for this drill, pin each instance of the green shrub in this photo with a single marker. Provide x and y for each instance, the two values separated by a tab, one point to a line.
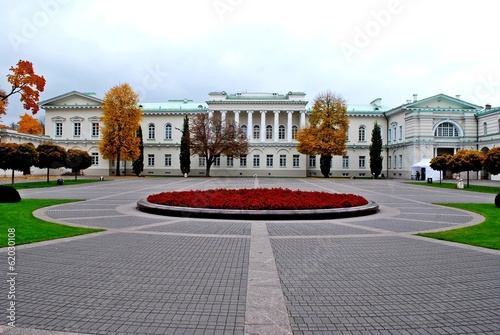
497	200
9	194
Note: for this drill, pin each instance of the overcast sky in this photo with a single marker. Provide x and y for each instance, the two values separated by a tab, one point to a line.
365	49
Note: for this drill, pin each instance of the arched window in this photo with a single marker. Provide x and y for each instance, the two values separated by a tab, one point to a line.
294	131
244	129
281	132
362	134
151	131
446	129
256	132
269	132
168	131
485	128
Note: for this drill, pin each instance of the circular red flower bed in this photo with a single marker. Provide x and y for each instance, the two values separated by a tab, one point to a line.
257	199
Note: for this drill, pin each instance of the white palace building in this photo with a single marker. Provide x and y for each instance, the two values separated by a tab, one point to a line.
413	132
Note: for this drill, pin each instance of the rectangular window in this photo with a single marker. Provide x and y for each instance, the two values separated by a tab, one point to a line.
400	161
243	161
201	161
77	129
217	161
256	161
269	160
389	135
312	161
394	134
95	129
362	162
59	129
168	160
395	161
151	160
282	160
345	162
95	158
230	161
389	162
296	161
400	132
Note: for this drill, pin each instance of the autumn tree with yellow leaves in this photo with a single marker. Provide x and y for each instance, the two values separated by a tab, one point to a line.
121	117
27	83
326	134
29	125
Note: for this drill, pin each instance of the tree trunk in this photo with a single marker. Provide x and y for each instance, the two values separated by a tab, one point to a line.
76	174
207	170
48	169
118	164
12	177
325	164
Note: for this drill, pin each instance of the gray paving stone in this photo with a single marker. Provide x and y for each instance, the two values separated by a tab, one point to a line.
223	227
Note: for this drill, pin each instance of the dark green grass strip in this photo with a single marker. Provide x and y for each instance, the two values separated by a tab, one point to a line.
485	234
29	229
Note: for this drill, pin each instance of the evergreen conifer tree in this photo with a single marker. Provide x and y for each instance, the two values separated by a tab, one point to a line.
376	152
138	164
185	154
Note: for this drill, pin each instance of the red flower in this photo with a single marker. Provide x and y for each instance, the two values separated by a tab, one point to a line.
257	199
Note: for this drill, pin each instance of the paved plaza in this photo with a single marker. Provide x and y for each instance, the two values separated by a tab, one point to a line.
149	274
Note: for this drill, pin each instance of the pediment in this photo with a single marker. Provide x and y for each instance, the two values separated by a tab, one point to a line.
443	101
72	99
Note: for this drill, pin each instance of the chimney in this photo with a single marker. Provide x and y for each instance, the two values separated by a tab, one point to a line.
376	102
487	106
457	96
415	97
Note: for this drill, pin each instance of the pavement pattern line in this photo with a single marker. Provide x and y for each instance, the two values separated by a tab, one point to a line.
266	312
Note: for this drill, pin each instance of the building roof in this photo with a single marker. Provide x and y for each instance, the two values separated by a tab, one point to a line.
253	96
185	105
87	96
493	110
364	109
438	102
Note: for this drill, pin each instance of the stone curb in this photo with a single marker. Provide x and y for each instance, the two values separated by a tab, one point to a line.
309	214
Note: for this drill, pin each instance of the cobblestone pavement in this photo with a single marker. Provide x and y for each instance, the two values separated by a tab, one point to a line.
150	274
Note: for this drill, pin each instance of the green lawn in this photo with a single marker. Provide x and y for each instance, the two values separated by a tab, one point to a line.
51	183
485	234
30	229
453	185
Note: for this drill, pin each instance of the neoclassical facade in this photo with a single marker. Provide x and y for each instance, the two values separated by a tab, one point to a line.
416	130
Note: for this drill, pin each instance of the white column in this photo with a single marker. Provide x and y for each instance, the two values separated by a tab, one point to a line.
237	118
289	126
223	118
302	119
250	126
210	113
263	126
276	125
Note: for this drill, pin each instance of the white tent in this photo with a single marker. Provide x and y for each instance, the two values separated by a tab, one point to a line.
424	170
